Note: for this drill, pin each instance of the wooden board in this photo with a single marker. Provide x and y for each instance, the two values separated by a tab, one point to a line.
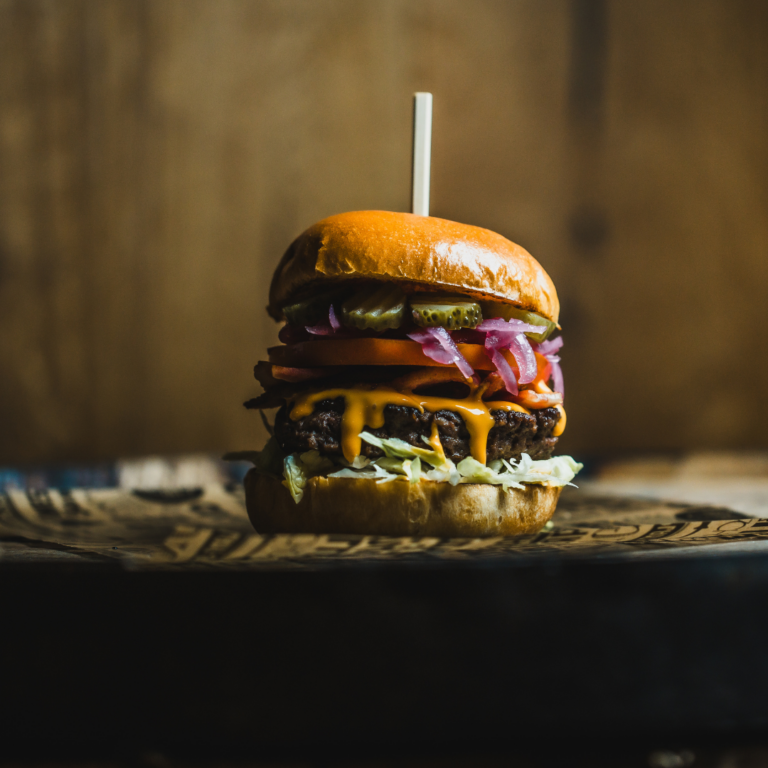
156	158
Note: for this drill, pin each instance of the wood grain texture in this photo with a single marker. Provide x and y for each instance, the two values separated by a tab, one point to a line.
156	158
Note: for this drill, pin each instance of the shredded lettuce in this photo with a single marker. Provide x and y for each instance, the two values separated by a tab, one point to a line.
399	457
297	469
295	474
559	470
383	470
353	475
472	471
373	471
413	470
360	462
383	475
442	476
396	448
443	469
390	465
402	460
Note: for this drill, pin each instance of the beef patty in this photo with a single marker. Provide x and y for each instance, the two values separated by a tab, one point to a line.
514	433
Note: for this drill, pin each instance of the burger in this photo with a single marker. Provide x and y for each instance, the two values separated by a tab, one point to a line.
418	384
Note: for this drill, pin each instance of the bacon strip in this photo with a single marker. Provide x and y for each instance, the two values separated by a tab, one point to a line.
295	375
428	376
269	375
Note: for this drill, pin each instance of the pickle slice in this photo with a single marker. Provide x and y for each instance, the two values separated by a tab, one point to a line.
508	312
312	310
449	311
377	308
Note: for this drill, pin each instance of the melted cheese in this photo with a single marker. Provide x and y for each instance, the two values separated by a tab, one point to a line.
560	426
365	408
541	386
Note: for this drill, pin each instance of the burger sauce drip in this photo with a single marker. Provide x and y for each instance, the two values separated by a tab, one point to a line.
560	426
365	408
541	387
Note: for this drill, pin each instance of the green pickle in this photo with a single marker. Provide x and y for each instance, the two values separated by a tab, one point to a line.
377	308
508	312
448	311
311	311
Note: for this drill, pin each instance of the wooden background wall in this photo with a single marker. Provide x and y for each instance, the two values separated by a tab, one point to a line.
157	156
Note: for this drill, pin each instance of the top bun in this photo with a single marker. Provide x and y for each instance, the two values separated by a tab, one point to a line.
383	245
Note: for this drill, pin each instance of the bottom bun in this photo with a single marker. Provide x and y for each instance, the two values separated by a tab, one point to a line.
397	508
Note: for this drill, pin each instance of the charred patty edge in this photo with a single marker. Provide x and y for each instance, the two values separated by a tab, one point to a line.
514	432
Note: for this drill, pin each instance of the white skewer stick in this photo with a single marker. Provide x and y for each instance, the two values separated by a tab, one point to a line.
422	151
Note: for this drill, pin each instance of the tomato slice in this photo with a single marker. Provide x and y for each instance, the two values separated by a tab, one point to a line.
372	351
544	370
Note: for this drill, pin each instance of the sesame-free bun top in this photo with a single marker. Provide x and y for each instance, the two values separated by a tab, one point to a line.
421	250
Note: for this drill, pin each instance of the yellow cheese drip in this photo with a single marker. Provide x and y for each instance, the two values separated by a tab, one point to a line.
542	388
365	408
560	426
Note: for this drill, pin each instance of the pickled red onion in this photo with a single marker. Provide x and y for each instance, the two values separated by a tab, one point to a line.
437	344
331	328
333	320
507	326
548	349
493	346
550	346
324	329
510	334
522	351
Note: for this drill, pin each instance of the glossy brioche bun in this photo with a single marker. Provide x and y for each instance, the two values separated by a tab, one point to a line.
382	245
397	508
